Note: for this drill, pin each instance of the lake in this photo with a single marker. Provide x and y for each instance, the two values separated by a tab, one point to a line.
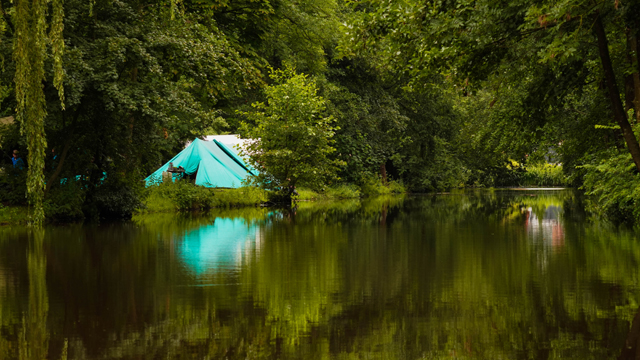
466	275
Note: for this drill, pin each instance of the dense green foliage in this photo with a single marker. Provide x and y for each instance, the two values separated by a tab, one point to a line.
612	180
370	187
292	136
538	82
437	96
29	51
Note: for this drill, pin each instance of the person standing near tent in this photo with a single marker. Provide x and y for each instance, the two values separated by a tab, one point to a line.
17	161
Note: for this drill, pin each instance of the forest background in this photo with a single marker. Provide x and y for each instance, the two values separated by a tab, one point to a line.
434	95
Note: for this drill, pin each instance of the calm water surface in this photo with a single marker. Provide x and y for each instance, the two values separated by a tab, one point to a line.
475	275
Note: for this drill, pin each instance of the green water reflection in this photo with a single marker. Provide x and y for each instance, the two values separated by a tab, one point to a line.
473	275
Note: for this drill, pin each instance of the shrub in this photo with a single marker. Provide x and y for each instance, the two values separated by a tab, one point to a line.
614	184
13	215
307	194
181	195
157	200
13	186
244	196
64	202
543	175
115	200
396	187
373	186
344	191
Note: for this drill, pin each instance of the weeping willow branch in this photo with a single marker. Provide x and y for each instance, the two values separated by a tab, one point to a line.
174	8
29	53
57	47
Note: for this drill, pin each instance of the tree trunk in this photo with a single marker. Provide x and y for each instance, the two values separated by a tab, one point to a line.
383	173
56	173
614	96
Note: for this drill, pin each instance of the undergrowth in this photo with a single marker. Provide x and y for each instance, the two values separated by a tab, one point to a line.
13	215
614	184
335	192
543	175
64	202
514	173
343	192
371	187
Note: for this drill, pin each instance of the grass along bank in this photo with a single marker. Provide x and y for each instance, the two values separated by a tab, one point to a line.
371	187
184	196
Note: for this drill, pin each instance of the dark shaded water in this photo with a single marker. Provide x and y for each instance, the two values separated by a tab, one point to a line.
481	275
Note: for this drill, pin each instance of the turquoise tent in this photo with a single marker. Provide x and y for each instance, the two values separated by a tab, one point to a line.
215	165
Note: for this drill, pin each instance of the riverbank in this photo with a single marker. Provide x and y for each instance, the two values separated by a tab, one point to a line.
351	191
184	196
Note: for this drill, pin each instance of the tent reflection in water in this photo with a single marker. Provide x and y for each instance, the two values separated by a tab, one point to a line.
218	246
215	163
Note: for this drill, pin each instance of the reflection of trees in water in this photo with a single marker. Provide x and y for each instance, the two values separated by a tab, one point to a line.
440	277
7	282
34	335
631	348
547	231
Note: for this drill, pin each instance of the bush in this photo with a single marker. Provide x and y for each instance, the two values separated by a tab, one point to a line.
13	186
181	195
506	173
64	202
306	195
543	175
13	215
373	186
513	173
614	184
244	196
344	191
396	187
157	200
115	200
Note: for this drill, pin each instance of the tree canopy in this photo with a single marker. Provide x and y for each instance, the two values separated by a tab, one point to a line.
291	135
435	95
